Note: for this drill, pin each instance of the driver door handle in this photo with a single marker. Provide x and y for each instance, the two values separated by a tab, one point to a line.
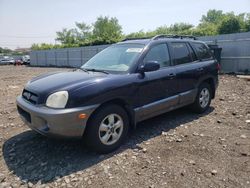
171	75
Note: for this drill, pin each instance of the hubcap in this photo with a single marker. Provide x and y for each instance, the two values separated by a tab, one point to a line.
110	129
204	97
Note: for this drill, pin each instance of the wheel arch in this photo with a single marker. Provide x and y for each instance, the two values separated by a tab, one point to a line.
122	103
212	84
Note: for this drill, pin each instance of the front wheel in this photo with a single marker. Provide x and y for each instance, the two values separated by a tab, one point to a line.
203	98
106	129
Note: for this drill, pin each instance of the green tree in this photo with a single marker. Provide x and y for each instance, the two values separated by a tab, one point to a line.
106	30
205	29
35	47
80	35
42	46
83	33
162	30
177	28
230	24
139	34
5	51
67	36
212	16
247	22
244	19
181	28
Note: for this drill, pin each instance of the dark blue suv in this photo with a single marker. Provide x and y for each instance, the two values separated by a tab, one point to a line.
124	84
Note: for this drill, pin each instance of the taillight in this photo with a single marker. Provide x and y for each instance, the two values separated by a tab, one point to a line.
218	67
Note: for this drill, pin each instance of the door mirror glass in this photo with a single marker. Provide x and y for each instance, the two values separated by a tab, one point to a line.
149	67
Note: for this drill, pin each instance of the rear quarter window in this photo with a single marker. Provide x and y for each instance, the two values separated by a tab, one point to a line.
202	51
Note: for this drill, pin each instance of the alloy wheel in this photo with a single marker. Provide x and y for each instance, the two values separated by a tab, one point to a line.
110	129
204	97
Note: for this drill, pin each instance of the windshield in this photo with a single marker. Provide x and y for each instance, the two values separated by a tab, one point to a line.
115	58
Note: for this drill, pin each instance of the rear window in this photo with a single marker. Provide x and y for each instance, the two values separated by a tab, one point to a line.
202	51
181	53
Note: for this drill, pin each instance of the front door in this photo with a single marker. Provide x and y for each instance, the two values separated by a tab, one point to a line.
157	89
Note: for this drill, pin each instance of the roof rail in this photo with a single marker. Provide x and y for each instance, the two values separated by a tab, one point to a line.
162	36
174	36
136	38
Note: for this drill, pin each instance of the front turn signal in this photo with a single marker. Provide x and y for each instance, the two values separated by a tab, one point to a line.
82	116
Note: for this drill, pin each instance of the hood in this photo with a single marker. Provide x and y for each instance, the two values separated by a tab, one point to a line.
52	82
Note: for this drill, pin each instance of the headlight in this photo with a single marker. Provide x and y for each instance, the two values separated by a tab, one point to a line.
58	99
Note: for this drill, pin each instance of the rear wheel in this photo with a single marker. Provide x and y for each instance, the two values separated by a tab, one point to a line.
107	129
203	98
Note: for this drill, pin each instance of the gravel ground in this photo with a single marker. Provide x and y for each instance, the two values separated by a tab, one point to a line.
176	149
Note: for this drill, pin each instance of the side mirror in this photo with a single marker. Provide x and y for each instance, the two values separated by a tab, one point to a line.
149	67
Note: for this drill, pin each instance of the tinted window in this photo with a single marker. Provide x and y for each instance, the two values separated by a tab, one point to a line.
181	53
191	50
160	54
202	51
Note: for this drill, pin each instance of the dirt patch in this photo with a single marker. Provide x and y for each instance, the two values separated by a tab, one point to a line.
176	149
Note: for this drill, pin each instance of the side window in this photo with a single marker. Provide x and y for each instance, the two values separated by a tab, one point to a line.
193	55
160	54
181	53
202	51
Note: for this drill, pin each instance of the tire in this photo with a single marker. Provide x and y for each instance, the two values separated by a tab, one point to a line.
104	133
202	104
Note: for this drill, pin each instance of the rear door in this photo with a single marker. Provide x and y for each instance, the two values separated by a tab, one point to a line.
186	65
207	66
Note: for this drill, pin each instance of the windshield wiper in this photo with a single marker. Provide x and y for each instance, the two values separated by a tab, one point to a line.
83	69
97	70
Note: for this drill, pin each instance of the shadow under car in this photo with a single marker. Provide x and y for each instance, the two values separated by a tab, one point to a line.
33	157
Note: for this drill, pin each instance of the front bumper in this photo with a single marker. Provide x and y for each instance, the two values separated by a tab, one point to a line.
54	122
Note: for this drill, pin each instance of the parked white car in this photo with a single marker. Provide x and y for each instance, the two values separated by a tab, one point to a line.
26	59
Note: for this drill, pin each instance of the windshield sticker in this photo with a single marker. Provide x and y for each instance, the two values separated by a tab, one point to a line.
134	50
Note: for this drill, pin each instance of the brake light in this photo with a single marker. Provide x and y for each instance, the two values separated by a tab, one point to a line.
218	67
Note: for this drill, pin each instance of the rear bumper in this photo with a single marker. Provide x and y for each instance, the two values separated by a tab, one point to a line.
54	122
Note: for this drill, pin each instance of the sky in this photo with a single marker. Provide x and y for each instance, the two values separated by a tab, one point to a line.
24	22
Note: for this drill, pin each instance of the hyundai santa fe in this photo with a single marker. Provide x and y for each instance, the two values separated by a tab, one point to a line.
124	84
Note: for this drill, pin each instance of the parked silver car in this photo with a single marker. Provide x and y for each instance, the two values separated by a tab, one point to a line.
5	60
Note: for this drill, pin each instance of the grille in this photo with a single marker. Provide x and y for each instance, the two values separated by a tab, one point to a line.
29	96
